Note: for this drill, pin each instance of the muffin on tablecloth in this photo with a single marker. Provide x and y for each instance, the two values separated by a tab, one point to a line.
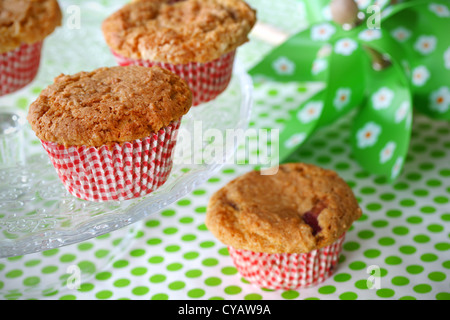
284	231
196	39
110	133
24	25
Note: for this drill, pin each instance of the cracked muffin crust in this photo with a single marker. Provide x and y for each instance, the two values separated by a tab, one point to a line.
299	209
179	32
108	105
27	21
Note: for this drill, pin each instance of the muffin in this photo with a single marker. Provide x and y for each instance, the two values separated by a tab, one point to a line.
24	25
196	39
284	231
110	133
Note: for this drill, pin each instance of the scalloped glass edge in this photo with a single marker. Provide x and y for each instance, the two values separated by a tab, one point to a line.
138	210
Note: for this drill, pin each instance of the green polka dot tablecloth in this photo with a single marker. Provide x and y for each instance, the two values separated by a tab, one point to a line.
398	249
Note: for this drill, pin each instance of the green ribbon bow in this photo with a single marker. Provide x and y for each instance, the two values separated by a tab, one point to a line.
411	38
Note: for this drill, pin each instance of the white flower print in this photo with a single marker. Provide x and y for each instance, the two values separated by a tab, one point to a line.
368	135
401	34
440	100
342	98
326	13
380	3
284	66
345	46
439	9
295	140
402	112
319	65
362	4
425	44
397	167
387	152
310	112
322	32
369	34
447	58
420	75
382	98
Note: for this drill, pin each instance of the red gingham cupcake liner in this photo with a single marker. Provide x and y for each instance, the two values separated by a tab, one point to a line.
206	80
287	271
117	172
19	67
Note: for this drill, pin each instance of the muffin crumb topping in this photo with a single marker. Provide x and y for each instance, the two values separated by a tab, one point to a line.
300	208
179	32
109	105
25	21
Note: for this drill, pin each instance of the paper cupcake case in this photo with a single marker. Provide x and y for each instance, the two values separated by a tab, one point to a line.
117	172
206	80
287	271
19	67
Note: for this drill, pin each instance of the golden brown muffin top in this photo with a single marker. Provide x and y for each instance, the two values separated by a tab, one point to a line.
299	209
109	105
180	32
27	21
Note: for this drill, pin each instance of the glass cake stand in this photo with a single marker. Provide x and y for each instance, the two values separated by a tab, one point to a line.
36	211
